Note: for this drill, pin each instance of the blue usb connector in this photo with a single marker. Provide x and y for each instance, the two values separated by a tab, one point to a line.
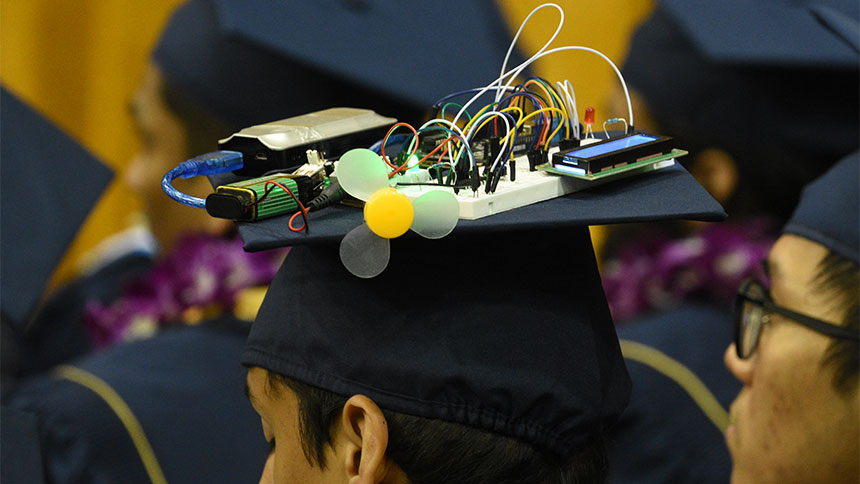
207	164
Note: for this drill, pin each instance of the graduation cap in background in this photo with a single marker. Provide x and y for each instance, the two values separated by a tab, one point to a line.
247	63
821	33
49	185
829	210
772	82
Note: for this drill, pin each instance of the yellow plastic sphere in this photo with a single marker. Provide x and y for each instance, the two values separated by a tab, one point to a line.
388	213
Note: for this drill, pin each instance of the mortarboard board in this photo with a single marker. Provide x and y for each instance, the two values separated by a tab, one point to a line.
829	210
501	325
49	185
245	63
774	83
771	32
419	51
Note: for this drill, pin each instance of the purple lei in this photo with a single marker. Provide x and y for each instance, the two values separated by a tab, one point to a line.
204	272
659	273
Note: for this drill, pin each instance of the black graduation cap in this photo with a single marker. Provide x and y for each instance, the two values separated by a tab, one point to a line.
419	51
823	33
247	63
48	187
773	82
501	325
829	210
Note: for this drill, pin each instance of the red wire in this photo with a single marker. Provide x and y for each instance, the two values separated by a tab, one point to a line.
382	149
428	155
302	210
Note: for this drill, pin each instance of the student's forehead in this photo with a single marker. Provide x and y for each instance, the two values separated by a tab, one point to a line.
792	266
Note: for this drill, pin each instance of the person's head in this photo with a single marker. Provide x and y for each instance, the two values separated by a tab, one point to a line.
204	83
320	436
171	131
450	383
796	418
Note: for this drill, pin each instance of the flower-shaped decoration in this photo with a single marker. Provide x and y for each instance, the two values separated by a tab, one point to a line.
388	214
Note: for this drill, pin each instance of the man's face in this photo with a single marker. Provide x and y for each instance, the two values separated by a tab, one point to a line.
788	424
164	144
278	410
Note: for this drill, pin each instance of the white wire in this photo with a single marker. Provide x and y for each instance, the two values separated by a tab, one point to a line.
570	95
513	73
517	36
520	68
455	129
503	75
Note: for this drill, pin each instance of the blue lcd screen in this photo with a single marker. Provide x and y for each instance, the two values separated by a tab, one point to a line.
610	146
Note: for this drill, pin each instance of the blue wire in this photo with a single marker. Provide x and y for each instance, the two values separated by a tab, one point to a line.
208	164
377	147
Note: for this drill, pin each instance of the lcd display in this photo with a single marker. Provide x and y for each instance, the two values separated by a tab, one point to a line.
613	145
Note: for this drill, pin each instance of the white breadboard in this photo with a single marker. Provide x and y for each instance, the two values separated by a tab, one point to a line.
528	187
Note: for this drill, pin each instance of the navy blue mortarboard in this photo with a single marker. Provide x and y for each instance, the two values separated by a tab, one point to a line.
773	82
502	325
48	187
668	194
771	32
419	51
246	63
829	210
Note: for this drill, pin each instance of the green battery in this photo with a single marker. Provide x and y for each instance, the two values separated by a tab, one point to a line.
254	199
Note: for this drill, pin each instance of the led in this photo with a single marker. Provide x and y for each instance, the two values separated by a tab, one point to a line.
589	116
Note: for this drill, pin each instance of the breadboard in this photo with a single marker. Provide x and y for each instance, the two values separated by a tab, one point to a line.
527	188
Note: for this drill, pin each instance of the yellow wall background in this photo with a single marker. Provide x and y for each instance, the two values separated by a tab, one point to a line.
79	61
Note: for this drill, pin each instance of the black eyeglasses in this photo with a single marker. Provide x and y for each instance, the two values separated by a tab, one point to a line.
753	306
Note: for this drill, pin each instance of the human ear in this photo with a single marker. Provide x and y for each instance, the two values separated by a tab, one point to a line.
715	170
364	440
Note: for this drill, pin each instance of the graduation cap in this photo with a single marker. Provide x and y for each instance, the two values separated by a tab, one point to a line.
48	187
771	32
772	82
501	325
829	210
246	63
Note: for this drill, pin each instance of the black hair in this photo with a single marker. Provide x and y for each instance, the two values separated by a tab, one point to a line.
840	278
431	451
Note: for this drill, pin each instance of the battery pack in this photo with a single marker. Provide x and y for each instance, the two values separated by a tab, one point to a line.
255	199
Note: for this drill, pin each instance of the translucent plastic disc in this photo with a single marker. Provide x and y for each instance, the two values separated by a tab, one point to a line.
364	253
361	173
436	214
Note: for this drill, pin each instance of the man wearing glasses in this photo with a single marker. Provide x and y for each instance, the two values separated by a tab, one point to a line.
796	346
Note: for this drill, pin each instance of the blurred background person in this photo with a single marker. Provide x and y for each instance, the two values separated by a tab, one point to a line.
730	97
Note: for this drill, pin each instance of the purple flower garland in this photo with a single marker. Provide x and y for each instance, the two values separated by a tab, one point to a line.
203	272
658	273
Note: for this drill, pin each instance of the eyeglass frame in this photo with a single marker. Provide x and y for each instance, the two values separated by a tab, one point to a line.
768	306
